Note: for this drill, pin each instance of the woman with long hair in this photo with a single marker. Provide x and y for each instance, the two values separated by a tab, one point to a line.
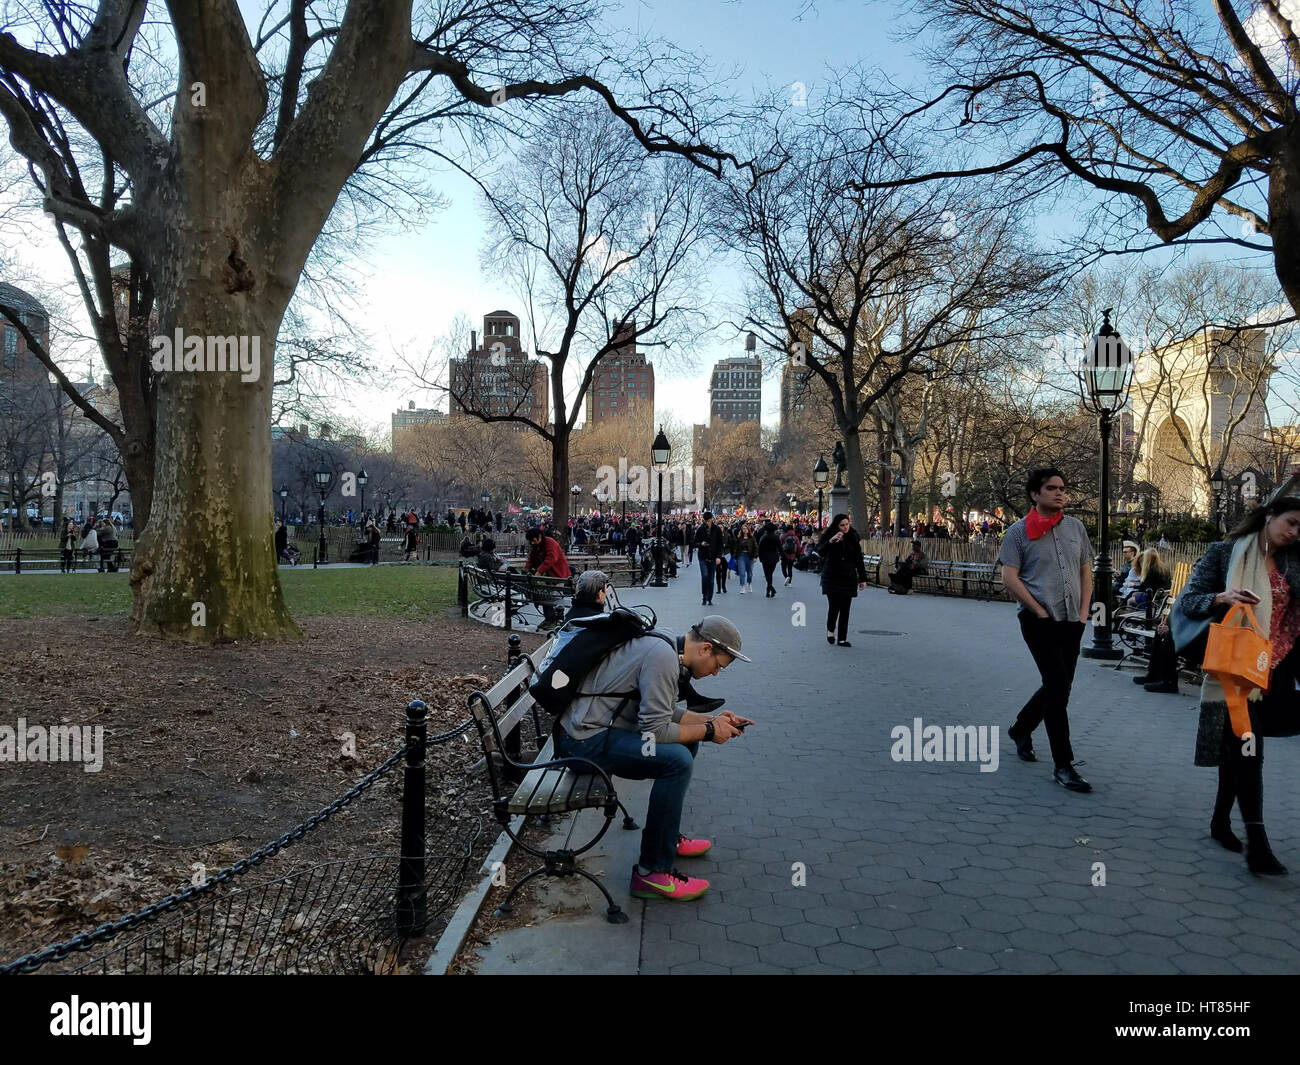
843	575
744	551
1257	564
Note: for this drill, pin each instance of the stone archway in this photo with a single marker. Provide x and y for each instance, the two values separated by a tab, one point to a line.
1169	468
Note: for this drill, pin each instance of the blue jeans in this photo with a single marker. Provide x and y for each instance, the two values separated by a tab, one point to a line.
745	568
706	576
619	751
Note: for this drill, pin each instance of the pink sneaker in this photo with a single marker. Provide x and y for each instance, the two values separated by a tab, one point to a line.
691	848
670	885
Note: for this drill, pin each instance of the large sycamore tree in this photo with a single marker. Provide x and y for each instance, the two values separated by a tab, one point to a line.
219	188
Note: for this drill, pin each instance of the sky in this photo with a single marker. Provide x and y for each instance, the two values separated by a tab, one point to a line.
414	283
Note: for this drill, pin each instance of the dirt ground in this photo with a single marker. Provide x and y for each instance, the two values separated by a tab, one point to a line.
210	752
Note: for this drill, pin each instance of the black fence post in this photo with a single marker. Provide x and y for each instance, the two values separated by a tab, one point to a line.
509	597
412	894
512	743
462	592
18	560
315	557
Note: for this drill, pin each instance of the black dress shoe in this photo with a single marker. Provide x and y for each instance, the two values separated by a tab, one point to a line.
1144	680
845	643
1024	747
1068	776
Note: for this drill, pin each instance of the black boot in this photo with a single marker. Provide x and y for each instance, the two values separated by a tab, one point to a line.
1259	855
1221	832
1221	820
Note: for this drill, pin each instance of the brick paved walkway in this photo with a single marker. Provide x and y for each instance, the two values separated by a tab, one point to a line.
928	866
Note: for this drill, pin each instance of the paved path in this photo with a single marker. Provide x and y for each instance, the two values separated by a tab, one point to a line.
830	856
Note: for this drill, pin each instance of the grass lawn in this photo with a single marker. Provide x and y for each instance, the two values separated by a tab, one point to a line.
414	592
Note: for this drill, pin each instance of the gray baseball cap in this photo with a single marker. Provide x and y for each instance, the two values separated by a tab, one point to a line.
722	634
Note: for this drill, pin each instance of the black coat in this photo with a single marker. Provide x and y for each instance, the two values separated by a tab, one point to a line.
708	541
842	566
769	546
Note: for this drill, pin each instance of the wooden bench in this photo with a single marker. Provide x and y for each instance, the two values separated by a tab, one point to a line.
937	576
1135	632
508	598
872	564
981	576
548	787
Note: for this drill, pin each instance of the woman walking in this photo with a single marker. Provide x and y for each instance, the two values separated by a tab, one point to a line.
1256	564
789	553
769	551
843	575
746	551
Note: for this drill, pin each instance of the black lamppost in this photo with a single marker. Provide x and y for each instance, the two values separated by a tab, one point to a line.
324	478
900	507
284	494
821	474
659	452
362	480
1107	372
1216	493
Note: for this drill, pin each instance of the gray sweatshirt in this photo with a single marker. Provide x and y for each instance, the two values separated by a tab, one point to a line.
646	665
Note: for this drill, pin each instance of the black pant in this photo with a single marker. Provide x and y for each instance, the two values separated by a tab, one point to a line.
837	614
769	565
1055	647
1241	778
69	561
787	567
720	572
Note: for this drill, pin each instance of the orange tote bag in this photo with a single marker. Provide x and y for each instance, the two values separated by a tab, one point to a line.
1237	655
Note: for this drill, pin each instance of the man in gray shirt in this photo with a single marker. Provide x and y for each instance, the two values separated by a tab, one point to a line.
642	735
1046	561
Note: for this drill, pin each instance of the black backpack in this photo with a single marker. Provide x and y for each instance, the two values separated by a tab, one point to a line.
556	684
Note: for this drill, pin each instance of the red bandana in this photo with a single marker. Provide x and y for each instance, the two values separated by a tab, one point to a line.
1036	524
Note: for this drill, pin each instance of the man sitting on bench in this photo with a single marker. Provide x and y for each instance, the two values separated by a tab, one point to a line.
652	739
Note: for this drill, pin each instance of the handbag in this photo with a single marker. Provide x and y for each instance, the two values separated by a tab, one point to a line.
731	563
1237	655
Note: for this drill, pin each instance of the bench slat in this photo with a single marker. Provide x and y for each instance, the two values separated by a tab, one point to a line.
558	790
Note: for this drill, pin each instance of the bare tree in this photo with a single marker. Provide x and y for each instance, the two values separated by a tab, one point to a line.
218	188
603	247
865	283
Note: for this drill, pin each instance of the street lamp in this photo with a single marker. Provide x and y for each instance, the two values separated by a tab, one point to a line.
900	506
659	452
362	480
622	494
821	474
324	478
1216	493
284	494
1106	373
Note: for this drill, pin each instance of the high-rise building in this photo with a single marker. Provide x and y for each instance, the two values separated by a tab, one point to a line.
624	382
498	378
736	389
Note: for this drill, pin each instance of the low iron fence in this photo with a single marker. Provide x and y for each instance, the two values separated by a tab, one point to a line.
347	916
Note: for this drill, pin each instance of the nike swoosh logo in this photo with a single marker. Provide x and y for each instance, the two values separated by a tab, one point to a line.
671	889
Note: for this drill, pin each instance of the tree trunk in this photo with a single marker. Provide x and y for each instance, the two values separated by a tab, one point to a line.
205	569
560	478
856	477
1284	217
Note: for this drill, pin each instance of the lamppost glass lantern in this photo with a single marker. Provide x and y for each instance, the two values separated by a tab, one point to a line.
363	479
1105	375
659	452
1216	491
284	495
